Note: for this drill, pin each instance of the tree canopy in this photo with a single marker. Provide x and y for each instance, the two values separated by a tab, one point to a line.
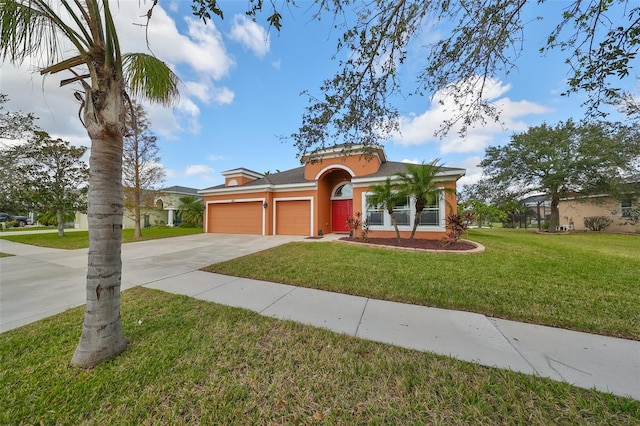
587	157
481	40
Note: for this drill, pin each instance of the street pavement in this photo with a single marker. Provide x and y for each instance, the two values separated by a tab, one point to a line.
39	282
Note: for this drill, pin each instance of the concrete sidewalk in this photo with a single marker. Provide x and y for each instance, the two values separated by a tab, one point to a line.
585	360
39	282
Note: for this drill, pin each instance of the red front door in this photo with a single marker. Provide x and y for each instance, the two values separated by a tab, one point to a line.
341	210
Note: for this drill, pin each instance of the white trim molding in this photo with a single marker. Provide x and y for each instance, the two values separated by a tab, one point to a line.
232	201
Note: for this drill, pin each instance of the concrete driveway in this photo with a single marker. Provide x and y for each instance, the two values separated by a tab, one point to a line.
39	282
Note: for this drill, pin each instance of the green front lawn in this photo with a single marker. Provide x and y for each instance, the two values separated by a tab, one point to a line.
80	239
192	362
582	281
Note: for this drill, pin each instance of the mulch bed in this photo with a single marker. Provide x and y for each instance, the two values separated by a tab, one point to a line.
415	244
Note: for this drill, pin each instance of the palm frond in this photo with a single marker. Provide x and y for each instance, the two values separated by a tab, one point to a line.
149	78
33	28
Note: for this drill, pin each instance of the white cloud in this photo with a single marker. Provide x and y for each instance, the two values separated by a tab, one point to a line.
214	157
251	35
197	55
474	171
420	129
198	169
411	161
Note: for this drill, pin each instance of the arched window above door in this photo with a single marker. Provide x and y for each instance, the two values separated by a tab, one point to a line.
344	190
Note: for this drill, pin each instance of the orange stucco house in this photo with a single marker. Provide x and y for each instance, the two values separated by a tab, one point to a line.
318	197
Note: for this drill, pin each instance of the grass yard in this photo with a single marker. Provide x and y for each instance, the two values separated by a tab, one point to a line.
80	239
193	362
33	228
581	281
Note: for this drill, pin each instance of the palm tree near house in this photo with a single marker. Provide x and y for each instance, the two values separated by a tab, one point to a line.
79	37
191	210
386	196
419	182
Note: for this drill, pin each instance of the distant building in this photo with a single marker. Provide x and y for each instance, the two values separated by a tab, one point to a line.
164	210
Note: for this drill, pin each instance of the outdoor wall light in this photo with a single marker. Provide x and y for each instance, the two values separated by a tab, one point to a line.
265	205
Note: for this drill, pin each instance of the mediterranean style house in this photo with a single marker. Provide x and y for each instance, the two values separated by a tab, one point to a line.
318	197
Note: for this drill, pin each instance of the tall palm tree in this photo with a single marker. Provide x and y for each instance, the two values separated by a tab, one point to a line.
419	182
191	209
79	37
387	196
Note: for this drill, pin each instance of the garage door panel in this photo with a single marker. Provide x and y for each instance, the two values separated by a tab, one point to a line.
236	218
293	217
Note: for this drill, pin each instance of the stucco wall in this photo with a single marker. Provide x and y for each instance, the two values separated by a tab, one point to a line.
577	209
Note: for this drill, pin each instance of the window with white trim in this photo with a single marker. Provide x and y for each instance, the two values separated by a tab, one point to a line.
344	191
375	214
430	216
626	207
402	212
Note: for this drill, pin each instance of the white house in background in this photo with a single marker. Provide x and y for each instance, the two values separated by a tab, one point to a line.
163	212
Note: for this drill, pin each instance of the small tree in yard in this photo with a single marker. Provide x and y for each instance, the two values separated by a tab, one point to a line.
55	174
386	196
191	210
51	176
142	172
419	183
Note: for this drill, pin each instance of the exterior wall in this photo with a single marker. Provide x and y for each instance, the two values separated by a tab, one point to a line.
575	210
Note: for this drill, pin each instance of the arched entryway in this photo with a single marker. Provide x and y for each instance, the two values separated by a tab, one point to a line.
341	206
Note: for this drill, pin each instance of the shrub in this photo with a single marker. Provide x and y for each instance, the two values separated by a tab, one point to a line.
354	223
364	235
597	223
456	227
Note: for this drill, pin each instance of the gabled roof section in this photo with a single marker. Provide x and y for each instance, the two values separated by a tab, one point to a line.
181	190
287	177
390	168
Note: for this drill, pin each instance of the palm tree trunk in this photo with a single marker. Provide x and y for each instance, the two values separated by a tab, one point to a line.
395	224
102	334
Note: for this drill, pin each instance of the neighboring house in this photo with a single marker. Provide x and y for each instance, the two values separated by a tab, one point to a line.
168	202
574	209
163	212
319	197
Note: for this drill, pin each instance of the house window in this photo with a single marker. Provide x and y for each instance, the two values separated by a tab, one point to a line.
405	213
402	212
375	214
344	191
430	216
626	207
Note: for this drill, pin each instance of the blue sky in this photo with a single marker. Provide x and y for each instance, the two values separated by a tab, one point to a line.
242	83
